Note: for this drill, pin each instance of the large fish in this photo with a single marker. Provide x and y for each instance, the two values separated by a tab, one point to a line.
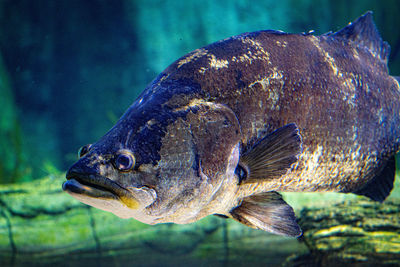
226	127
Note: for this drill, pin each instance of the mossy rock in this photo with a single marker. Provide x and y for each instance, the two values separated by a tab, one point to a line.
40	225
356	233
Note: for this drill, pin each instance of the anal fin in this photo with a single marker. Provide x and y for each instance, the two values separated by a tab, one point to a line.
268	212
381	185
272	156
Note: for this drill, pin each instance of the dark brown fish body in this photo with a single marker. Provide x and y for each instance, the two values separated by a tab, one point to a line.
203	115
339	94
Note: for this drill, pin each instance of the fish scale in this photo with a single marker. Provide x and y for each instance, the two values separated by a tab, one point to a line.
227	126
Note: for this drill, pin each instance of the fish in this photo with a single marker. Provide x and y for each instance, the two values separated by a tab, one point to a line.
225	128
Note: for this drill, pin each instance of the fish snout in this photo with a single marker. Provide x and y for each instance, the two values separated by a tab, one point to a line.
82	167
85	181
78	180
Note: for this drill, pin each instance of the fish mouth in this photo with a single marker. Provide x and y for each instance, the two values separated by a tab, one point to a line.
99	187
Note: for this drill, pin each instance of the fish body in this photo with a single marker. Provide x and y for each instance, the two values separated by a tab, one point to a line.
227	126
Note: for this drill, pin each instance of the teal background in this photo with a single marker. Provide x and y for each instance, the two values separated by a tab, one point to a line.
70	68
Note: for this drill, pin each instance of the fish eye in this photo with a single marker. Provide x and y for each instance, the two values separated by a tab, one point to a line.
84	150
124	161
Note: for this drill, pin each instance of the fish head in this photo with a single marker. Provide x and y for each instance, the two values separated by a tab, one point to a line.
104	177
164	166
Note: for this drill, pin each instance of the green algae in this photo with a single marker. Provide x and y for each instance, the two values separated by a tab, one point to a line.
42	224
352	232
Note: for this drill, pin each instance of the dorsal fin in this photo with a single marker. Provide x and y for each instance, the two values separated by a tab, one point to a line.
364	33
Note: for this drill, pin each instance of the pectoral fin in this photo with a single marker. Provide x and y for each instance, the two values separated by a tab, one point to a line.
268	212
272	156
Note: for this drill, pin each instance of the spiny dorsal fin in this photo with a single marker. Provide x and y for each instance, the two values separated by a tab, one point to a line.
381	185
364	33
272	156
268	212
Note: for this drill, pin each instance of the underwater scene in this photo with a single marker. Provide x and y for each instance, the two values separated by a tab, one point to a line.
205	150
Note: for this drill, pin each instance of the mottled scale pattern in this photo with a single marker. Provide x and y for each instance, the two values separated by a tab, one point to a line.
340	96
188	129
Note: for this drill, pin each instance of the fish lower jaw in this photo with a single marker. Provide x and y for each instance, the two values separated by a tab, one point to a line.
111	205
124	205
115	206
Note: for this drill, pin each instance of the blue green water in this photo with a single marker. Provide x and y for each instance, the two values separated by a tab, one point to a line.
69	69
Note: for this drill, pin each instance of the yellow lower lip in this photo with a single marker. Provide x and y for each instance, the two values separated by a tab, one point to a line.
129	202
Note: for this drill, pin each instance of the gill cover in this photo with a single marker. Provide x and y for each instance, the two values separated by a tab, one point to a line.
216	131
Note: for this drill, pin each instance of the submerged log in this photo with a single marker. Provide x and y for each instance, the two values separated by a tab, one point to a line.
41	225
352	233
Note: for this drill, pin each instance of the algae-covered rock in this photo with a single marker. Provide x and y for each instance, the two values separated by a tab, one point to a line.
357	233
42	226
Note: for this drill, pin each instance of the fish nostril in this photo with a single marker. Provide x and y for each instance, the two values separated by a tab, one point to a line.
82	167
73	172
